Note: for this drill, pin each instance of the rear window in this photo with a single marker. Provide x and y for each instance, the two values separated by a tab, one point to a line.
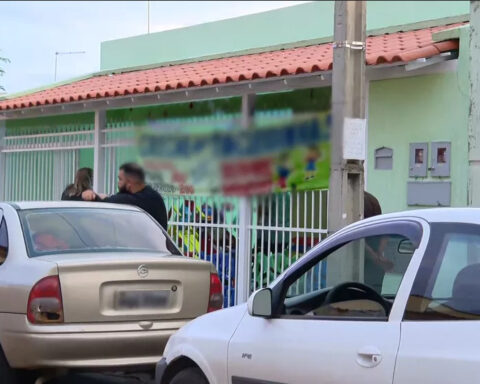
74	230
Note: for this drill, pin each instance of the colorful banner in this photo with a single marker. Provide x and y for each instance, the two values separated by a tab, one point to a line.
242	162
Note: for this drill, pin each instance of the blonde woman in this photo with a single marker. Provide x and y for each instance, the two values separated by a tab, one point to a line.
83	182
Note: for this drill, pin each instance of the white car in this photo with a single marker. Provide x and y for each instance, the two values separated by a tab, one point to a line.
393	299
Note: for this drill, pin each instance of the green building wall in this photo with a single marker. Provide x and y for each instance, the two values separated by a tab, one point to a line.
419	109
415	110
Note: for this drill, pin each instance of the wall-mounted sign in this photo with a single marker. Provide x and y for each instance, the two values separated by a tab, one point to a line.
354	139
290	155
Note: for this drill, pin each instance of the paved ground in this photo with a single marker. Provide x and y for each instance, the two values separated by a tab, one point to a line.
103	379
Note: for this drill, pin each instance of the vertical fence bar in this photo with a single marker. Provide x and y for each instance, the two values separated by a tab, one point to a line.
252	233
50	174
276	272
284	226
262	224
3	160
99	151
43	175
5	179
269	240
312	241
245	212
305	213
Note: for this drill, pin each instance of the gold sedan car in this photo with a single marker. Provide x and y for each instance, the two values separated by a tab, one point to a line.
92	285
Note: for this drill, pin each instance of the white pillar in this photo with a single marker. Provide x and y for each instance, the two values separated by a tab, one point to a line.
3	168
245	219
99	152
474	114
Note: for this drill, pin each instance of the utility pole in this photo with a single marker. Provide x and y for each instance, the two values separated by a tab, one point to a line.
474	115
345	202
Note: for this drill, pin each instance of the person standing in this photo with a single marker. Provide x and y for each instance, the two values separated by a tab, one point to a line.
133	190
376	263
82	183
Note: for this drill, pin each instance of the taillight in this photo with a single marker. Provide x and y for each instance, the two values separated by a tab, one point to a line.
45	302
216	296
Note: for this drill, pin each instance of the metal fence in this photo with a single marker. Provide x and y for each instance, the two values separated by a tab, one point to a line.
207	228
119	147
39	166
284	226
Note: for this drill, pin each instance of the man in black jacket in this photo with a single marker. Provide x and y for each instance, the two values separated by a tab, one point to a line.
133	190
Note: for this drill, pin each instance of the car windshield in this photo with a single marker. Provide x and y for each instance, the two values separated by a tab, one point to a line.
74	230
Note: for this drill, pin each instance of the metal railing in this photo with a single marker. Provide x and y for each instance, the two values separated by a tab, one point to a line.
284	226
40	166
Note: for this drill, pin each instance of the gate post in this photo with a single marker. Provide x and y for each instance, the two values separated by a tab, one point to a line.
3	167
245	219
99	152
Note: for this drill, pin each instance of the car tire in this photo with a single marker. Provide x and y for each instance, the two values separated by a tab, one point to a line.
9	375
189	376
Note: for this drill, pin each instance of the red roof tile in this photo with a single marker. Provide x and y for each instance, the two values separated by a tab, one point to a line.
388	48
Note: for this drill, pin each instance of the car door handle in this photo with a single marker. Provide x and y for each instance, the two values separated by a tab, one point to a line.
369	356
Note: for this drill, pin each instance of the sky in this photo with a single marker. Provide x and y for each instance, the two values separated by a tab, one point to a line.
31	32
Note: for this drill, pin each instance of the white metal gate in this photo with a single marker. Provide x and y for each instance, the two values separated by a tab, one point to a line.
284	226
40	166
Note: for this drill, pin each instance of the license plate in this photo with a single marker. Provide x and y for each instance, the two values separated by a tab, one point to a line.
141	299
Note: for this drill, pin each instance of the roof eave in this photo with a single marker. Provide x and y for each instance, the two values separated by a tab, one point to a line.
439	63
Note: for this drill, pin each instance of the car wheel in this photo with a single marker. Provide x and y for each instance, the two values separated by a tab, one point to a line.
189	376
13	376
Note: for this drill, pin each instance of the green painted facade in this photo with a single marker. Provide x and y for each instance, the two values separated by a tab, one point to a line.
296	25
419	109
415	110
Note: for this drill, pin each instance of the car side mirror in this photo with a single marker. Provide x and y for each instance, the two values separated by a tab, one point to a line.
260	303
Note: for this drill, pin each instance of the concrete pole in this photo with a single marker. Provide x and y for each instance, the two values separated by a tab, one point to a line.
474	114
345	204
245	218
99	152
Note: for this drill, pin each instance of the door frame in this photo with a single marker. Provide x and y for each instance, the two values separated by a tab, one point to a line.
414	228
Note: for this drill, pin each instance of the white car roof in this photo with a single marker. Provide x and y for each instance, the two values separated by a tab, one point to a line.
69	204
432	215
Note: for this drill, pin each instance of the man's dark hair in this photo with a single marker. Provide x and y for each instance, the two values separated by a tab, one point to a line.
133	170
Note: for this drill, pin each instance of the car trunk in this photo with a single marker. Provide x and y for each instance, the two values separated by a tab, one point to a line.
105	287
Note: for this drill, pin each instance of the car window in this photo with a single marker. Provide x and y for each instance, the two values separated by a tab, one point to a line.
72	230
359	279
447	285
3	241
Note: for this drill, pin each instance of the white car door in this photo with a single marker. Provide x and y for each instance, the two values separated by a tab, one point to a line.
322	335
3	239
441	326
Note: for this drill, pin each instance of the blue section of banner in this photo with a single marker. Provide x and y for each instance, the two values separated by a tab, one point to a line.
239	144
